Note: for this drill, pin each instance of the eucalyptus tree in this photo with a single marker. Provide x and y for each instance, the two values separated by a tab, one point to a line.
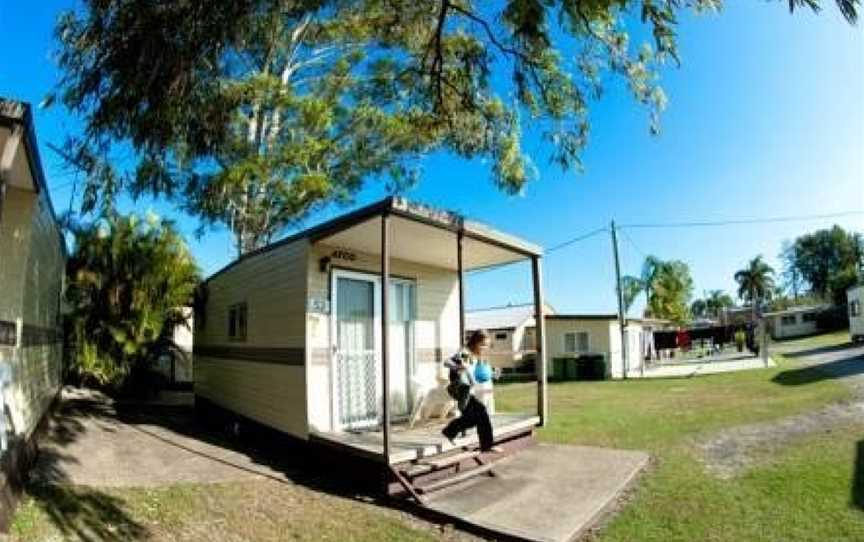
252	113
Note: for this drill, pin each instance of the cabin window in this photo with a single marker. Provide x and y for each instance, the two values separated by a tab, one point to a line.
576	343
788	320
501	336
237	319
808	317
854	308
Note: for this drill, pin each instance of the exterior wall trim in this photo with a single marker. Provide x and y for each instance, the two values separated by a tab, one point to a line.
259	354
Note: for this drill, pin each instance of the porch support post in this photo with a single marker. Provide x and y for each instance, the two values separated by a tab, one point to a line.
385	334
461	277
539	336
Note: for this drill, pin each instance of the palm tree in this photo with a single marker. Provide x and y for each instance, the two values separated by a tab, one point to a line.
755	282
128	281
716	302
699	308
671	291
632	286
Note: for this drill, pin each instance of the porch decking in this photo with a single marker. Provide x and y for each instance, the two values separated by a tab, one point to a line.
424	440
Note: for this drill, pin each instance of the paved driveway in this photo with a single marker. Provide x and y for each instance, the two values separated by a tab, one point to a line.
92	441
843	362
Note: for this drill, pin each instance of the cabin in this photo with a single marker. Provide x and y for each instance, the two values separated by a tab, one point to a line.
32	268
573	335
335	336
794	322
511	334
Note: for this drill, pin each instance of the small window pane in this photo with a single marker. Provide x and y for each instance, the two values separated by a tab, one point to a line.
232	322
570	342
583	342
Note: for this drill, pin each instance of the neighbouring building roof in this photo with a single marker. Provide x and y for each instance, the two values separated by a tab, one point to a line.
14	116
583	317
505	317
797	310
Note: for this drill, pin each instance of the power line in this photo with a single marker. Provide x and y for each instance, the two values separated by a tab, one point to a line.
796	218
559	246
576	239
633	243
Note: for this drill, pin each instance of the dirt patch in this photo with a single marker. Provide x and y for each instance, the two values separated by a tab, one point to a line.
734	450
730	452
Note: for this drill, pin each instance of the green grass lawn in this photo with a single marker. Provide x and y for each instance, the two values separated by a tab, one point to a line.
804	491
801	491
242	511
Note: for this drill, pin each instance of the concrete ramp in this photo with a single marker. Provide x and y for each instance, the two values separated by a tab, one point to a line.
547	492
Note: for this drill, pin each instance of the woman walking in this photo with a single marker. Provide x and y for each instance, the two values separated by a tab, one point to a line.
472	411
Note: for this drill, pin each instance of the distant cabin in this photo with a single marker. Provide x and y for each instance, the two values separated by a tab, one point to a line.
794	322
511	330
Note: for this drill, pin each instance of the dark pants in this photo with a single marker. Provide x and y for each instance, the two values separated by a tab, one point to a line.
473	415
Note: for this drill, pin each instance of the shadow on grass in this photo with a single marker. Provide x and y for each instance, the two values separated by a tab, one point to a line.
837	369
86	514
858	478
821	350
77	513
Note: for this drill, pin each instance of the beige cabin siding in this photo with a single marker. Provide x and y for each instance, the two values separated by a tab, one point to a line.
31	279
436	328
273	392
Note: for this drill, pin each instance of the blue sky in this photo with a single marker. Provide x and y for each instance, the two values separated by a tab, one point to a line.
765	118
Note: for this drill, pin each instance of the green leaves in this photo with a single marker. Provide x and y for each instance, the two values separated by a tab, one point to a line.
127	281
225	105
828	261
668	287
756	281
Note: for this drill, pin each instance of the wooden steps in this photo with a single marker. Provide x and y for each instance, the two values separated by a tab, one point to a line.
455	479
426	475
442	461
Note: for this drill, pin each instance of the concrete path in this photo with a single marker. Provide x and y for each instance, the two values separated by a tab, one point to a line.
843	362
547	492
686	370
90	443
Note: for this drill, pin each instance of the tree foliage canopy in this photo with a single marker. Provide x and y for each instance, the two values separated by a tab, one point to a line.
827	261
668	287
128	281
253	112
756	281
712	305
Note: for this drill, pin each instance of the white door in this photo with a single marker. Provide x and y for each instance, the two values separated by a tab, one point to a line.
401	351
356	306
357	387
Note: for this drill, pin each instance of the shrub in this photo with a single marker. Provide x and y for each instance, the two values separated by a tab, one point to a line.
128	281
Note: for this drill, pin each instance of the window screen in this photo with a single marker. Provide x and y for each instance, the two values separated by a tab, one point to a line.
576	343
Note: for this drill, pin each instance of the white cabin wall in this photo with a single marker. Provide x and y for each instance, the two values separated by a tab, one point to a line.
264	377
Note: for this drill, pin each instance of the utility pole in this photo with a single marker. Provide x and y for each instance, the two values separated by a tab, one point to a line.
620	293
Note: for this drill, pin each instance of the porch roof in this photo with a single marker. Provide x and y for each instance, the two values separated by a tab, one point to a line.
419	234
424	235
